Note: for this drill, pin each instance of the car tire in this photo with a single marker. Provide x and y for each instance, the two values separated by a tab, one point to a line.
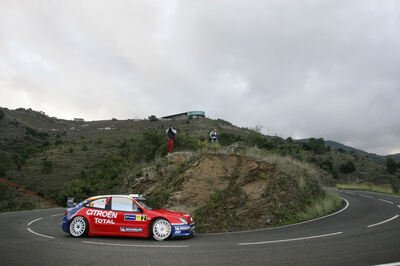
161	229
78	227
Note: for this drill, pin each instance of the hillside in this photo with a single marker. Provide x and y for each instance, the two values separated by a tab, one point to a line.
57	158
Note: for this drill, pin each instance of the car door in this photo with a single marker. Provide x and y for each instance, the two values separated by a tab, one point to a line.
131	219
99	215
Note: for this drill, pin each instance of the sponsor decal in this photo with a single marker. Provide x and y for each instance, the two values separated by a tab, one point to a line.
131	229
103	221
135	217
106	217
101	213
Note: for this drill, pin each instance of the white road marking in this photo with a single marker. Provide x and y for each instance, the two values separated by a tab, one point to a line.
389	264
366	196
283	226
289	240
388	220
130	245
31	222
58	214
33	232
398	206
386	201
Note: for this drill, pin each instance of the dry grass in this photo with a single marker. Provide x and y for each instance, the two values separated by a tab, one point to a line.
288	165
386	188
319	208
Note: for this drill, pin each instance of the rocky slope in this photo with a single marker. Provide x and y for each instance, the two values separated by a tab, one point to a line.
230	191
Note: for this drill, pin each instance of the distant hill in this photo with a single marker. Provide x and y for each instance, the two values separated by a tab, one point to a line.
338	146
395	156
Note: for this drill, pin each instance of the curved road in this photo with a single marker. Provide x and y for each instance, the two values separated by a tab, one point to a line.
365	232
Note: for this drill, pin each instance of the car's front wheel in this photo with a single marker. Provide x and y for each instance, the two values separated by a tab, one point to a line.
161	229
78	226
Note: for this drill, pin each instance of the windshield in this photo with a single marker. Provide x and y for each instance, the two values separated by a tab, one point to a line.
144	203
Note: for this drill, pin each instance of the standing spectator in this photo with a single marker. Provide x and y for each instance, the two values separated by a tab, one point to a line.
171	133
213	136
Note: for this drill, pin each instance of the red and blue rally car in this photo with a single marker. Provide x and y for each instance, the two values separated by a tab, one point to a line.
125	215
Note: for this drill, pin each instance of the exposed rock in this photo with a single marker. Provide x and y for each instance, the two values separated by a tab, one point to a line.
179	157
245	192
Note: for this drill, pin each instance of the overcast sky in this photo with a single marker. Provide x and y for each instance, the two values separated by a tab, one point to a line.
307	68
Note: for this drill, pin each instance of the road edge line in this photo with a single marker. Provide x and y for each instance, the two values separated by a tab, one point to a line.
131	245
38	234
385	221
289	240
34	221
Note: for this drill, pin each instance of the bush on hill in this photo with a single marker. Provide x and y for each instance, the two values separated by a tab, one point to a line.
391	165
347	167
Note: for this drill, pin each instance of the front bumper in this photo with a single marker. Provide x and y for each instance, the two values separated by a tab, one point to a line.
64	224
183	230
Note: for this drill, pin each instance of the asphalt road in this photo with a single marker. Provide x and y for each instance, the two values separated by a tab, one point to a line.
365	232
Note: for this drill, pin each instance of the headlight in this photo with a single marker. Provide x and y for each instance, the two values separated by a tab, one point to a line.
183	221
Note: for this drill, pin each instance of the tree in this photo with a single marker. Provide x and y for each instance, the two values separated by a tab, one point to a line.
317	145
148	145
326	165
347	167
153	118
1	114
391	165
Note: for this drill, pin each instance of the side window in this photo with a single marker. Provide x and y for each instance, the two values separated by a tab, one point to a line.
123	204
99	203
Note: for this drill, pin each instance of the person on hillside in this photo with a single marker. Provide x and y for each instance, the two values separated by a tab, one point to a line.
171	133
213	136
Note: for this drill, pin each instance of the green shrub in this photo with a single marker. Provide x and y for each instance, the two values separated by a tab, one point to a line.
149	145
326	165
153	118
47	167
226	139
31	131
186	142
316	145
391	165
347	167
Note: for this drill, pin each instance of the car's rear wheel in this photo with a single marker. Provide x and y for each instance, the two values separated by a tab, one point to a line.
78	226
161	229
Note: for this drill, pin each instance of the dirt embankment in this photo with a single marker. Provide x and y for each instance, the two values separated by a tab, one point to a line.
228	191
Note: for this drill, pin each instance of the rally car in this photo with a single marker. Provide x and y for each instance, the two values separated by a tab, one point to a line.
125	215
